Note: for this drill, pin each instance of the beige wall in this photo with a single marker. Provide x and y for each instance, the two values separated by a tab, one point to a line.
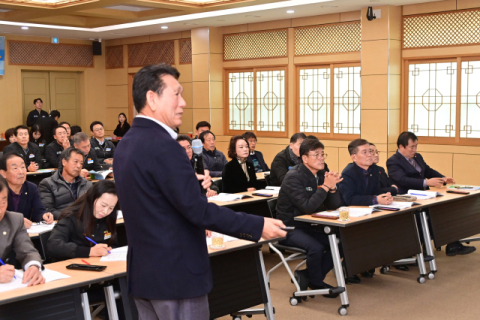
92	82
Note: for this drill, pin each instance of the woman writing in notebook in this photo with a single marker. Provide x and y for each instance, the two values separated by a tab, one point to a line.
94	215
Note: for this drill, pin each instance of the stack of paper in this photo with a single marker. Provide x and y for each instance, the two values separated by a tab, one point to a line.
117	254
49	276
227	197
353	212
225	239
423	195
395	205
100	175
41	227
269	190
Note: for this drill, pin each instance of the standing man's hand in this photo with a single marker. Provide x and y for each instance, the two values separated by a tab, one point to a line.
207	180
271	229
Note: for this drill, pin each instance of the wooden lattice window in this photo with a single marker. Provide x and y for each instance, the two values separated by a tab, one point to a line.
442	100
185	51
441	29
329	38
114	57
329	101
255	45
143	54
256	101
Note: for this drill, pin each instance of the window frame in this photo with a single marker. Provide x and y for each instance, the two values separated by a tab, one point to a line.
226	109
404	103
331	135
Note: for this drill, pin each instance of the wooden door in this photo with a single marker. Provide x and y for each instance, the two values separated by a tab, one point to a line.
35	85
65	96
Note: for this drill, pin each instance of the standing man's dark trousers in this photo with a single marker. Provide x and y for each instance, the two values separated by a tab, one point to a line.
319	257
184	309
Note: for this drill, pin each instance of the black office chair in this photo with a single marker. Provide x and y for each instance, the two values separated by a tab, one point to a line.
268	180
296	254
43	246
219	184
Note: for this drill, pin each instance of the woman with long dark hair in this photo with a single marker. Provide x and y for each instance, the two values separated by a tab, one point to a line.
93	215
37	138
122	126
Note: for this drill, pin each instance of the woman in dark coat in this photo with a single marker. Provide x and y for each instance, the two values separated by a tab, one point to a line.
122	127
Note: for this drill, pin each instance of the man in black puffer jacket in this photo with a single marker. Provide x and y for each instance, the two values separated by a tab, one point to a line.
64	186
306	189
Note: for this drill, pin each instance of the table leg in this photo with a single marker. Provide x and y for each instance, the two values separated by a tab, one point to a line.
268	305
86	306
110	301
337	267
428	245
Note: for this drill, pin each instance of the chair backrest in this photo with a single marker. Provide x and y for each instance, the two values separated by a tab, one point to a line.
272	206
219	184
43	242
268	180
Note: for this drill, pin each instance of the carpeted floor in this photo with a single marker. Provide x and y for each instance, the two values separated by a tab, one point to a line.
453	294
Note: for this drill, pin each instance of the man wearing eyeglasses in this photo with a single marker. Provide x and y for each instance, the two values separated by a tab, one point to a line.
360	185
104	149
307	189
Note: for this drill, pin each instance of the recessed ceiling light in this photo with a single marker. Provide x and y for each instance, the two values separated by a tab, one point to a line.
164	27
24	28
290	11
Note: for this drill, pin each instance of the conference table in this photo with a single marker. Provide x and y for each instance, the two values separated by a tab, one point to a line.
385	238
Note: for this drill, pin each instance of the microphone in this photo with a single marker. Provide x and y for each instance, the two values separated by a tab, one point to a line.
197	148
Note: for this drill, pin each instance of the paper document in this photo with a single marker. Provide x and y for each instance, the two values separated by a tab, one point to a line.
117	254
269	190
100	175
422	195
353	212
44	170
467	188
227	197
225	239
119	214
41	227
49	276
395	205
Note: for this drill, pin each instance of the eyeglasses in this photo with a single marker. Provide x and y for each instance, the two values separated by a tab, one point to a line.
319	155
365	152
99	129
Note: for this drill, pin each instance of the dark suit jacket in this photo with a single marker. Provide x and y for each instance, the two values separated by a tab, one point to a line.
405	176
30	204
121	131
166	216
33	154
353	188
261	160
385	182
34	116
47	125
234	179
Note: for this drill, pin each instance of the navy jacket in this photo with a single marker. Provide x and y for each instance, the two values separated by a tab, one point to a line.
353	188
405	176
166	216
214	161
33	154
261	161
34	116
30	204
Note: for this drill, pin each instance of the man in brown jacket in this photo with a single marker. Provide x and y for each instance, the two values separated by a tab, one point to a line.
14	235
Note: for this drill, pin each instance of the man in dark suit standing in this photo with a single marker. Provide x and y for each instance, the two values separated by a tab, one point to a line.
47	125
165	214
37	113
408	170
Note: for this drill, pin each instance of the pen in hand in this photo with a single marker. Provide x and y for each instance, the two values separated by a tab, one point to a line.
94	242
3	263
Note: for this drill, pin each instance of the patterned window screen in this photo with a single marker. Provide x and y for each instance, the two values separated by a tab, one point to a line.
315	100
240	100
470	100
346	100
270	100
432	99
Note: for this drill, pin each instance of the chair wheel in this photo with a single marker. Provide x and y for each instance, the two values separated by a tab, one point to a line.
431	276
236	318
383	270
293	301
342	311
421	280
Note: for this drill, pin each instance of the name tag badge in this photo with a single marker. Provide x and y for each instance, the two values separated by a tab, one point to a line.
35	115
89	161
107	235
43	116
309	189
108	149
41	144
31	156
58	152
97	148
